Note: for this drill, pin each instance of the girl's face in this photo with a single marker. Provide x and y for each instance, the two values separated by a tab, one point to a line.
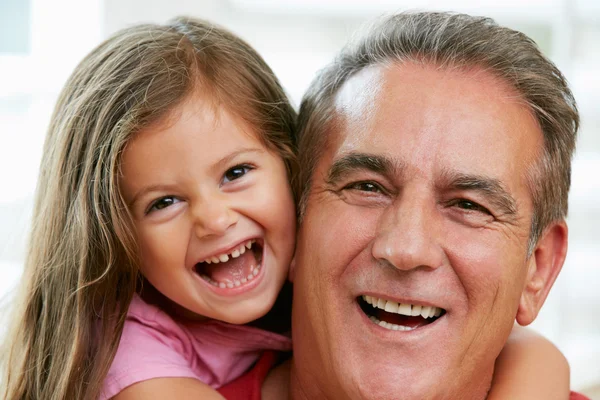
213	213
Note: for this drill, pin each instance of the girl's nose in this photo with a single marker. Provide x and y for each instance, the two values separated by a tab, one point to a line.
214	218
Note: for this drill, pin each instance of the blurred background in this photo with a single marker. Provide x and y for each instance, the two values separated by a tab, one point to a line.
41	41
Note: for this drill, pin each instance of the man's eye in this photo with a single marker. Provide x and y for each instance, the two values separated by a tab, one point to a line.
366	186
470	206
161	203
236	172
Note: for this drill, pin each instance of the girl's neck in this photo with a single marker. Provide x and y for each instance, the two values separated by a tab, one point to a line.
277	320
152	296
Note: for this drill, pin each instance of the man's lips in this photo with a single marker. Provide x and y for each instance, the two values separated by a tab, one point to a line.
398	316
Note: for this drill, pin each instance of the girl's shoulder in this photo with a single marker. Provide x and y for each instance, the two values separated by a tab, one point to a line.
143	316
152	345
155	345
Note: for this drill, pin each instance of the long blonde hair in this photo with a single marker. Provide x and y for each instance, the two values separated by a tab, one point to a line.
81	267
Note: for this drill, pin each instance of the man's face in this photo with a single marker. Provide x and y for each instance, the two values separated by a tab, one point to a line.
418	207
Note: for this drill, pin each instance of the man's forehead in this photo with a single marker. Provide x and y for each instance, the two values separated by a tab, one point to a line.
357	93
355	97
376	114
382	92
354	105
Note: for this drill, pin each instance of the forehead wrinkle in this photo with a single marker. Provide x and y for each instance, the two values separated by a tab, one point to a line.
491	188
355	161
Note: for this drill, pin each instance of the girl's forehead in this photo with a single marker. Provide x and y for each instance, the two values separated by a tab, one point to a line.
199	111
191	131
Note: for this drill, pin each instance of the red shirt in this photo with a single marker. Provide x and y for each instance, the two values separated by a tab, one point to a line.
247	386
577	396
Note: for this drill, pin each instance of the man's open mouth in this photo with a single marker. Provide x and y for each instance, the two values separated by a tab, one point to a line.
236	268
398	316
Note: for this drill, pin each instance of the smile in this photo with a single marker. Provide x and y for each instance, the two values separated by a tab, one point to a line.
398	316
236	268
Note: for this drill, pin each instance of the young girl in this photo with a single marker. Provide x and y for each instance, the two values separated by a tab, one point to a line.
164	227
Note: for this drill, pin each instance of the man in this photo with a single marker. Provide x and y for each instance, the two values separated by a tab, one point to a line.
436	154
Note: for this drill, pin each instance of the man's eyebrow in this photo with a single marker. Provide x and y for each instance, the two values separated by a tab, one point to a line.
490	188
352	162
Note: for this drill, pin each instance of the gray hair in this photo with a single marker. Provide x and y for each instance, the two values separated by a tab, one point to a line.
450	40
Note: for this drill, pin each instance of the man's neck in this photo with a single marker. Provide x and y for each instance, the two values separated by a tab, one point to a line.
308	388
277	383
289	383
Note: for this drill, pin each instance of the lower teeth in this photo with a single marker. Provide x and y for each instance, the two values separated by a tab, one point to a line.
233	284
389	326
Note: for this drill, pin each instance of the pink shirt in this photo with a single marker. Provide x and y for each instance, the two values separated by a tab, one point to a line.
153	345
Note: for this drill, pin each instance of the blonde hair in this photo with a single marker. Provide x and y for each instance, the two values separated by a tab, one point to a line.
452	40
81	267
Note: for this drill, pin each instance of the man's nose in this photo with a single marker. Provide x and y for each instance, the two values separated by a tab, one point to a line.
407	237
213	216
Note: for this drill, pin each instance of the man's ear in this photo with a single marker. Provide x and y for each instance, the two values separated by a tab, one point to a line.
292	271
544	266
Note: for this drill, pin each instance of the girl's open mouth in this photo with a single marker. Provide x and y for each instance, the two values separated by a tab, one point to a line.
234	269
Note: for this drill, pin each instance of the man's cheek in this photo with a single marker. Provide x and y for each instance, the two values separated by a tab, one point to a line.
357	224
347	236
477	258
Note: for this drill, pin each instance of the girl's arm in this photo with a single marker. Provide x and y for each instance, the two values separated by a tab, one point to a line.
530	367
169	388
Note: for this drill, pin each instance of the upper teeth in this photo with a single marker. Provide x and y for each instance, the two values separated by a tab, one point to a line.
235	253
402	308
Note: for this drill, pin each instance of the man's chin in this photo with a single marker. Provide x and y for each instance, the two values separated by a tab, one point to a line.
377	369
381	380
379	362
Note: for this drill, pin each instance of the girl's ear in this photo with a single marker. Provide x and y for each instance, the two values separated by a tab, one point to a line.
544	265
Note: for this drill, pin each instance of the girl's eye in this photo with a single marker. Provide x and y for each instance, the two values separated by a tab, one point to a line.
161	203
236	172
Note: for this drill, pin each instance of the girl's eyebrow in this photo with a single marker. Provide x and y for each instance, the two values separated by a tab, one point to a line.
149	189
222	163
